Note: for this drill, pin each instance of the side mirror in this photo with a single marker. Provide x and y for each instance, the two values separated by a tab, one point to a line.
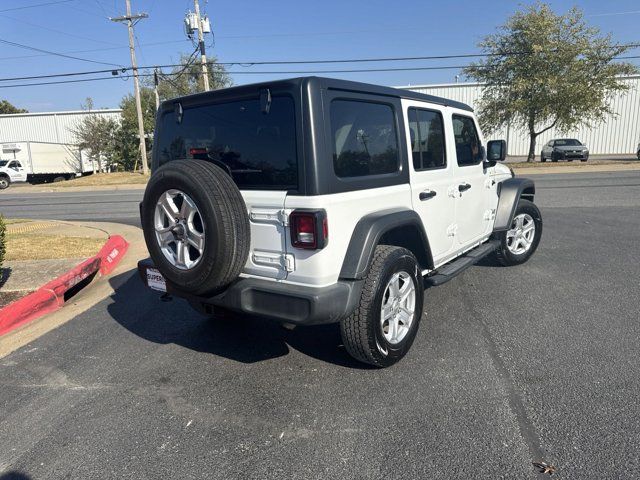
496	150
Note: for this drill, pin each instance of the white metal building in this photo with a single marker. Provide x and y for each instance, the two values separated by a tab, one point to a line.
619	134
51	127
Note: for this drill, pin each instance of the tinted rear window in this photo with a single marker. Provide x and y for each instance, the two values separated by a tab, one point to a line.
258	148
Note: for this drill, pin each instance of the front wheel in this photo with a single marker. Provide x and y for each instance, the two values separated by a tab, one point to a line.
382	329
521	240
542	159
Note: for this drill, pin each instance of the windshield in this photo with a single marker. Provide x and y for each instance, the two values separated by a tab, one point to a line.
259	149
567	142
3	163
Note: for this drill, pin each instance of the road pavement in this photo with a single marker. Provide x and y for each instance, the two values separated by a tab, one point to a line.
98	205
510	366
121	206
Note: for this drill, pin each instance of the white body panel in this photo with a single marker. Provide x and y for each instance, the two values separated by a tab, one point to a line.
15	171
344	210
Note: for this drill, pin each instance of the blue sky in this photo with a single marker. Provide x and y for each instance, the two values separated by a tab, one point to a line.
259	31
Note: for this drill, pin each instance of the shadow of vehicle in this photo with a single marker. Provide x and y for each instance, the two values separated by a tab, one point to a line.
5	273
239	337
14	475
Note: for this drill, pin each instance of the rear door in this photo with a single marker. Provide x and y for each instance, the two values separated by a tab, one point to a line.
431	176
267	216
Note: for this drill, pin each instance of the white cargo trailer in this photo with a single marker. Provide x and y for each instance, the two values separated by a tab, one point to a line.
42	162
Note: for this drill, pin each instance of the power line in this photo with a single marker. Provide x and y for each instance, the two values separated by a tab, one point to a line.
280	72
28	47
189	60
36	5
60	32
18	57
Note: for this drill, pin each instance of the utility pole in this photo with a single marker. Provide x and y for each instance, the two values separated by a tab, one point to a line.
156	81
136	84
203	55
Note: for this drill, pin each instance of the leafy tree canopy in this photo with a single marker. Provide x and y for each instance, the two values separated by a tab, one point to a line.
7	107
544	70
98	136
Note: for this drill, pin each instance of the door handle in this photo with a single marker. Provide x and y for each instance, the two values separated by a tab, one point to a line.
463	187
427	194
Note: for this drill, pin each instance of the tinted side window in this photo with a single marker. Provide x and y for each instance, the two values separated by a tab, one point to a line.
468	146
364	137
426	128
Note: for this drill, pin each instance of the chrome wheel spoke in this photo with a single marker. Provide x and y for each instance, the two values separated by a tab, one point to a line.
169	207
188	208
393	329
180	251
165	237
196	239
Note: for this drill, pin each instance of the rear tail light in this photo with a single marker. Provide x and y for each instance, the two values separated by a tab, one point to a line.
197	151
309	229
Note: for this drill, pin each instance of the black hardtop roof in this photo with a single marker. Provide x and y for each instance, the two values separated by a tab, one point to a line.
328	83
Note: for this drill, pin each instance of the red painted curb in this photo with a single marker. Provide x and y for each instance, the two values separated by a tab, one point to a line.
111	253
50	296
26	309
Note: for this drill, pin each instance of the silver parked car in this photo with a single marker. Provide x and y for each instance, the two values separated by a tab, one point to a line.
564	149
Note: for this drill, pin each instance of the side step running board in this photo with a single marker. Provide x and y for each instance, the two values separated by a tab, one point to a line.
460	264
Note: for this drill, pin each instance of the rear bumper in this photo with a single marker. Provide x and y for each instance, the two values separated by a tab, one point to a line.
278	301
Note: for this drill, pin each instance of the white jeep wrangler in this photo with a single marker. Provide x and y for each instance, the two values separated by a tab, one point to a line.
315	200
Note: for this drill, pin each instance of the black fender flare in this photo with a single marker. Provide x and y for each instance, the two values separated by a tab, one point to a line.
367	235
509	192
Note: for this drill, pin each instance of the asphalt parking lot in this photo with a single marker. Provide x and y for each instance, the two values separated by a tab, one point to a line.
510	366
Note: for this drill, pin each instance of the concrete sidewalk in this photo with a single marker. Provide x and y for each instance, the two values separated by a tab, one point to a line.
21	277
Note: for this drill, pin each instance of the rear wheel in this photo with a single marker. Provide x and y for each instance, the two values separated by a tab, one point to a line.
195	225
4	182
521	240
384	325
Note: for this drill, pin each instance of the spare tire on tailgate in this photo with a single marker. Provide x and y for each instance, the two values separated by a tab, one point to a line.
195	225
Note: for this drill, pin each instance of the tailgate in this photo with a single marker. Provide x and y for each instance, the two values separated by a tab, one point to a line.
268	256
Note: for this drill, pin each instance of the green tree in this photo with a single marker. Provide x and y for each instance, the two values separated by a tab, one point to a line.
97	135
128	145
544	70
6	107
